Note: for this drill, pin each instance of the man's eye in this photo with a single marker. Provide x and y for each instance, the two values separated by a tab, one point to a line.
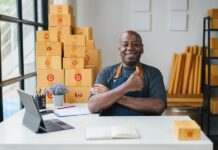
135	45
124	45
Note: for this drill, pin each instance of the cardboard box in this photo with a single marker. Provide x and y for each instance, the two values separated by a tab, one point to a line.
214	24
46	36
88	32
74	40
61	30
79	77
77	94
48	49
214	75
93	57
49	77
213	53
187	130
214	106
213	13
214	43
71	63
61	9
61	20
73	51
90	44
49	62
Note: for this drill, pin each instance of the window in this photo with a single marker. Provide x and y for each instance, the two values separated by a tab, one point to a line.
18	25
9	50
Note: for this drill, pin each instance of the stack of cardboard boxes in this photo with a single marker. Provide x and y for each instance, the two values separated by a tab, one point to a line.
81	62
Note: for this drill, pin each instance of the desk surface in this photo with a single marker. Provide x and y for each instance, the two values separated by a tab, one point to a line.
156	133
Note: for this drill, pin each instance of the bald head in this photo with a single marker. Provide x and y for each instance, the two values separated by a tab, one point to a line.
131	32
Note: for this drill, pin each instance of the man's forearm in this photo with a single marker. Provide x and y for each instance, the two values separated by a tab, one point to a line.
145	105
104	100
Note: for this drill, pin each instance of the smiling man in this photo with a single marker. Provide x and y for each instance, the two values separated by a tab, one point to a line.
129	88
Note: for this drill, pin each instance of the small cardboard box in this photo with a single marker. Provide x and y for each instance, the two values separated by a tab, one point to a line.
213	13
214	106
187	130
49	62
74	51
48	49
61	30
88	32
49	77
74	40
46	36
90	44
61	9
77	94
213	53
79	77
93	57
61	20
214	75
71	63
214	43
214	24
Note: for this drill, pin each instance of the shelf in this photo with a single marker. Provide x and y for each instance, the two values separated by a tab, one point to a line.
211	86
211	30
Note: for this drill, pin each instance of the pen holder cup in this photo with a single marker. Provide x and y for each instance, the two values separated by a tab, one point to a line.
40	102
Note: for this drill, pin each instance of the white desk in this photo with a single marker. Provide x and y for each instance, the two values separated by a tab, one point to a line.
156	134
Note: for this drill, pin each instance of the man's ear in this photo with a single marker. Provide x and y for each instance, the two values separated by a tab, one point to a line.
142	49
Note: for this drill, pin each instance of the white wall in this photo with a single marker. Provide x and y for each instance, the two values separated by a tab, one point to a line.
109	18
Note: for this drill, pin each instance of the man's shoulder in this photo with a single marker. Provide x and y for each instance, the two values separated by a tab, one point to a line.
150	69
111	68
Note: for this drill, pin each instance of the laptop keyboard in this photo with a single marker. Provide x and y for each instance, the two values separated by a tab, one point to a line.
52	126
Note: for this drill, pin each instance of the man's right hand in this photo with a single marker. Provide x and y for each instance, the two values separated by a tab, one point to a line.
134	82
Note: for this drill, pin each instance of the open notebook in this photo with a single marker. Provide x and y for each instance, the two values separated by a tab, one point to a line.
115	132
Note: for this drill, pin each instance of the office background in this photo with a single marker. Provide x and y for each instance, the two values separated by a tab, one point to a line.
108	18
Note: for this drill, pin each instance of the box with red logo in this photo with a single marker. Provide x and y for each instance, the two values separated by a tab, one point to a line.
46	36
61	30
77	94
61	20
49	62
70	63
93	57
186	130
48	49
74	51
61	9
88	32
79	77
90	44
49	77
74	40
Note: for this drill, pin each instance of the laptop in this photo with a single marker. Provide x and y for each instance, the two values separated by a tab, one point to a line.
33	119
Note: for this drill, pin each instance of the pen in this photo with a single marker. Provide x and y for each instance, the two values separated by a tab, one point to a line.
65	107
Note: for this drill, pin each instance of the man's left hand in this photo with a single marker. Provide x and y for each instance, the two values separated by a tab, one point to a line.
99	88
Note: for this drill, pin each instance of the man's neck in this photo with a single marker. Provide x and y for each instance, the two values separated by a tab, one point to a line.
130	66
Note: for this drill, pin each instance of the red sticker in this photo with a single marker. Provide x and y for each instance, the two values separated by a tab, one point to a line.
59	20
50	77
49	48
78	95
78	77
47	62
49	95
190	134
74	62
46	36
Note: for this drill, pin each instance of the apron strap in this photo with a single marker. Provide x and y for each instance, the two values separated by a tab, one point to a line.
141	73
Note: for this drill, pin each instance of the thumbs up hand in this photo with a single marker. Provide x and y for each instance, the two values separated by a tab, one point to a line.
134	82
